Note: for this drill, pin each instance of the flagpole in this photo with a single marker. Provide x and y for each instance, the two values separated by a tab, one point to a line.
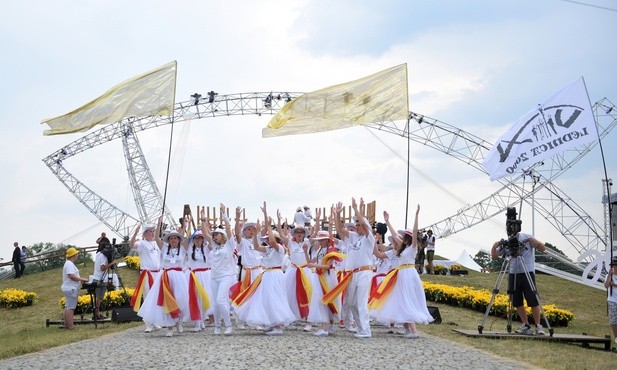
606	180
171	136
408	165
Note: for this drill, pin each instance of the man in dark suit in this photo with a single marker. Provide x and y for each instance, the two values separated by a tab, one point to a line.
17	260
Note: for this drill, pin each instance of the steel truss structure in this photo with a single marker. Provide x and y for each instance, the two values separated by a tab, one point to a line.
552	203
571	220
147	197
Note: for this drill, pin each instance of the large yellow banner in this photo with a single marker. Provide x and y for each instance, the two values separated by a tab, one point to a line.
151	93
380	97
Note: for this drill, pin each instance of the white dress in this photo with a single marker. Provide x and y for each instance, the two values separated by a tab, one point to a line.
264	307
202	267
319	312
298	259
407	302
172	261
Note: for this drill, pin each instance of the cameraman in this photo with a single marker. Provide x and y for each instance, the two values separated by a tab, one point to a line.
524	247
103	261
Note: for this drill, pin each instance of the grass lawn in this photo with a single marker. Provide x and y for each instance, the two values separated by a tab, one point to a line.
587	304
23	330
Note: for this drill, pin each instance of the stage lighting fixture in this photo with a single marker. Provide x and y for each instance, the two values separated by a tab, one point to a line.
268	101
196	97
211	96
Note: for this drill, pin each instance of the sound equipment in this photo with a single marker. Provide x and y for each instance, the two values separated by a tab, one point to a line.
434	311
124	314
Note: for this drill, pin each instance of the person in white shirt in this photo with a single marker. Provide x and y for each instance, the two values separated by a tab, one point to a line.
610	283
430	251
149	264
299	218
308	216
260	305
250	258
360	261
102	264
221	244
71	283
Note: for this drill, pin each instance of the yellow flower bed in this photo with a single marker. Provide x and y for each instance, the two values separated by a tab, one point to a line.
132	262
15	298
114	298
478	299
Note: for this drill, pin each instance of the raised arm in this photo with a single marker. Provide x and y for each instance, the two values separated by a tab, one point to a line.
227	222
238	225
157	232
357	212
132	241
414	238
396	238
268	225
183	231
283	231
378	248
256	243
340	228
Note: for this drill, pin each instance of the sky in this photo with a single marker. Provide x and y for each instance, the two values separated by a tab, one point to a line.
477	65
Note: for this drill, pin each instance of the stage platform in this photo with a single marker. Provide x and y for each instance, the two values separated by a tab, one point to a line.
584	339
76	321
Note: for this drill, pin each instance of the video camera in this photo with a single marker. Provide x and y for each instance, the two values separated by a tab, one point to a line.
112	251
422	237
511	246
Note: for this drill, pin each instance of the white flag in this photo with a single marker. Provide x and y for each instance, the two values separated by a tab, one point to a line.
563	121
149	94
379	97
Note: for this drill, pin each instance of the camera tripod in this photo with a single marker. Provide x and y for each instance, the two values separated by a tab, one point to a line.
503	272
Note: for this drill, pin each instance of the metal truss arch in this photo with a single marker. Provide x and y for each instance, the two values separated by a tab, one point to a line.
147	197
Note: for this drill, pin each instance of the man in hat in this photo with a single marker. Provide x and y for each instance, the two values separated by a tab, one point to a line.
149	263
299	218
610	283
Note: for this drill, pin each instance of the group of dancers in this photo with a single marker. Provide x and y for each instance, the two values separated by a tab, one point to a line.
272	276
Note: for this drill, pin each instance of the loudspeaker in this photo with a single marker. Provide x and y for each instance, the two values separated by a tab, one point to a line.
124	314
434	311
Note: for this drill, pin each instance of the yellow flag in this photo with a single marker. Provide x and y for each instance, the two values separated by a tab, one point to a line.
149	94
379	97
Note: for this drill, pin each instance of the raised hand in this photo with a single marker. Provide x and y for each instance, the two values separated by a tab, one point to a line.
338	208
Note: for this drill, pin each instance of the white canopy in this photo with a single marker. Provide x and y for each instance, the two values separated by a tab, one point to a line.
465	260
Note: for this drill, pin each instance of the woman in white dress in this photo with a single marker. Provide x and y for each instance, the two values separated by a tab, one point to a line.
198	271
400	297
323	280
167	304
260	304
297	274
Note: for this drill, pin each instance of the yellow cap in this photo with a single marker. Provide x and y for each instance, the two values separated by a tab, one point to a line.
71	252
